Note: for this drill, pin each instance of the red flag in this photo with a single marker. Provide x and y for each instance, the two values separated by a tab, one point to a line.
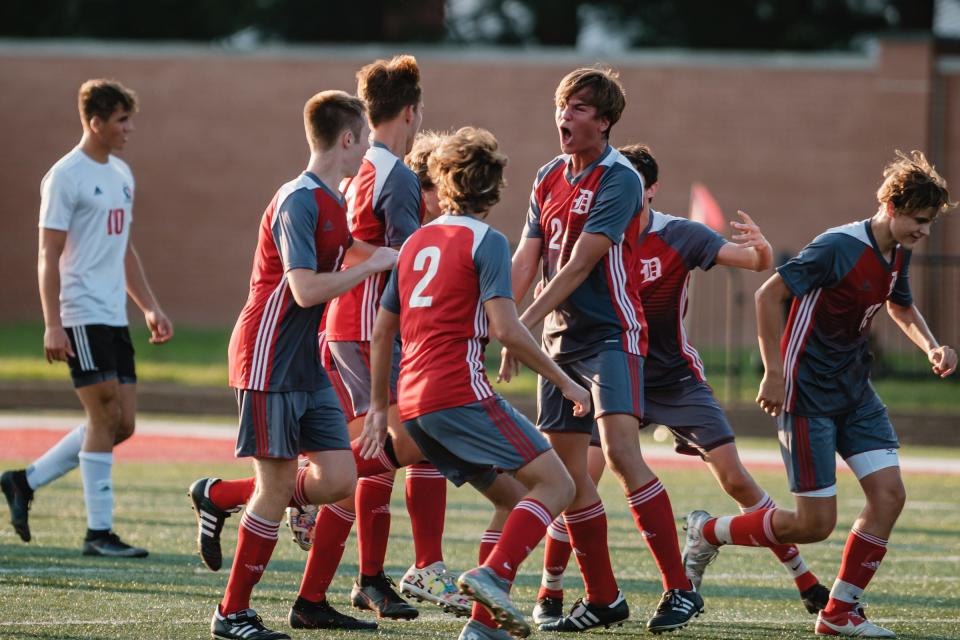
703	208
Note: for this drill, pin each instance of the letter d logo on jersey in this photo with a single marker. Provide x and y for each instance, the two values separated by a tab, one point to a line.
582	202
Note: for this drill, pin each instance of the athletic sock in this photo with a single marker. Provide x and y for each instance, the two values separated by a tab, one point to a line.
96	468
653	515
488	541
556	556
788	554
861	559
381	464
587	528
255	543
231	494
427	506
299	498
373	521
749	530
332	529
58	460
522	532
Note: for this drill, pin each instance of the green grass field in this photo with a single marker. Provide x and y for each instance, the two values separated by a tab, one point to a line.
48	590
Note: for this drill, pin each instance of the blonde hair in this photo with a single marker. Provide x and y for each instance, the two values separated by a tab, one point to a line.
912	184
328	113
387	86
467	168
604	92
423	145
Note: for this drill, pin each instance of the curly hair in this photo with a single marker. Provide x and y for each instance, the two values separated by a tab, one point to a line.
604	91
387	86
423	145
100	97
912	184
467	168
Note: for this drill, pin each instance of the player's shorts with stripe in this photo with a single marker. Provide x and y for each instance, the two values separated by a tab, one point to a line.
352	360
473	442
101	353
337	382
284	424
864	438
615	381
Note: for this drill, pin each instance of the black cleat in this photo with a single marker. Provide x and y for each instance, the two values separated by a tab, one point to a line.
320	615
110	545
676	609
547	610
19	496
210	519
584	616
376	593
815	598
242	625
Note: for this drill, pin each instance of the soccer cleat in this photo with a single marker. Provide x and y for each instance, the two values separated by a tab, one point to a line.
435	584
19	495
697	552
210	519
111	546
376	593
490	590
320	615
585	615
242	625
677	607
474	630
815	598
547	610
302	523
850	624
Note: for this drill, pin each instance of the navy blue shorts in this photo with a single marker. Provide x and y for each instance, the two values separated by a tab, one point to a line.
100	353
352	362
284	424
473	442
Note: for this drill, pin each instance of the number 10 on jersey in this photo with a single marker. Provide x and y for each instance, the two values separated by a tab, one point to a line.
114	222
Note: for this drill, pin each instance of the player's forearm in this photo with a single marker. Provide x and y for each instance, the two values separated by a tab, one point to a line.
769	315
137	286
310	288
521	345
48	275
381	359
912	323
523	267
557	290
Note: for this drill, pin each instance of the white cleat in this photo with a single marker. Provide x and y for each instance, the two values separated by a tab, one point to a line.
850	624
697	552
435	584
302	523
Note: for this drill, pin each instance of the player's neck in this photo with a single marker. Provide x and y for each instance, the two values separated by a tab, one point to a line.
328	167
94	149
394	136
880	227
582	159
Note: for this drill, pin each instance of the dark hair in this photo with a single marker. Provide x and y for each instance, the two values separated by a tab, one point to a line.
387	86
328	113
604	92
912	184
641	157
100	97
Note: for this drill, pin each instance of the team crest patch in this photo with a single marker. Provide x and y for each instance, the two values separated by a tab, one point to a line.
127	192
581	204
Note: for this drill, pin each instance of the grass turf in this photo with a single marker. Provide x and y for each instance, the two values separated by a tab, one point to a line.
48	590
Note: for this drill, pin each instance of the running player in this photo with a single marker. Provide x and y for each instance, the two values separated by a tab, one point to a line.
676	393
584	225
87	267
450	290
818	387
287	406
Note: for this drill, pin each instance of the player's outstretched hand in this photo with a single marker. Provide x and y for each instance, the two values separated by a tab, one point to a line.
56	344
374	434
750	234
943	359
579	396
509	366
383	259
770	396
161	329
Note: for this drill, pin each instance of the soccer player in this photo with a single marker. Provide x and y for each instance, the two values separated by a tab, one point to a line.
423	145
584	224
676	393
818	387
286	404
87	266
449	291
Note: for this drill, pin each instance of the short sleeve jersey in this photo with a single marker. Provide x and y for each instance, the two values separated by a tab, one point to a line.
93	203
274	345
604	311
670	250
384	206
446	272
840	281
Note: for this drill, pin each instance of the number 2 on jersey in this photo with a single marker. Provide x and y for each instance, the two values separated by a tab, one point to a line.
556	230
427	259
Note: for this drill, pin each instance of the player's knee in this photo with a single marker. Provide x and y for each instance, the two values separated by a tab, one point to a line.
564	491
125	430
888	500
817	526
342	487
738	486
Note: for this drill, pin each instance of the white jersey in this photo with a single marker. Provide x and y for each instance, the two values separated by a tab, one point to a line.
93	203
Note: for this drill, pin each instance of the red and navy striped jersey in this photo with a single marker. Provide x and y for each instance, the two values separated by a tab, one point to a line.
274	343
839	282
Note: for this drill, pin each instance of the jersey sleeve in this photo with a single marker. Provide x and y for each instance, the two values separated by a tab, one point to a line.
532	229
619	198
399	205
816	266
492	262
390	300
901	293
58	201
696	243
294	231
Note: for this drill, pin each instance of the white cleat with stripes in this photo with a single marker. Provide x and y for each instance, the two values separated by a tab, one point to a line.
242	625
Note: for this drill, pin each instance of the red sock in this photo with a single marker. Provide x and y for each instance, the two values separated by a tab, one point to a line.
587	528
488	541
653	514
255	545
788	554
861	559
332	529
230	494
427	506
299	499
524	529
556	556
749	530
373	521
374	466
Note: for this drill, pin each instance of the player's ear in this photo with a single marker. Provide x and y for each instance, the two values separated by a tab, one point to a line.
890	210
651	191
346	138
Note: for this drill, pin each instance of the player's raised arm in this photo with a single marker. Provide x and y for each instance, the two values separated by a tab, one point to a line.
943	359
748	249
769	300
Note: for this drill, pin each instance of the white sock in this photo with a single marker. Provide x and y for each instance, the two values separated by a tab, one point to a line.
96	468
58	460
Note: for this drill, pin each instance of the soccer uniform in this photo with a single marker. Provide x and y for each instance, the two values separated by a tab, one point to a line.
93	203
445	273
287	405
384	206
840	281
598	334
